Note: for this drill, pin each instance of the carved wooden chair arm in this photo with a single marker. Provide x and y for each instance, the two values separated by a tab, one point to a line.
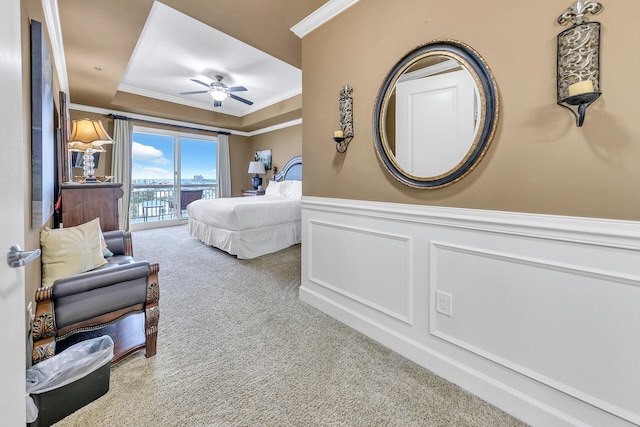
44	326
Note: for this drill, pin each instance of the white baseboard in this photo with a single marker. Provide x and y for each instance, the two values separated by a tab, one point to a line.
544	308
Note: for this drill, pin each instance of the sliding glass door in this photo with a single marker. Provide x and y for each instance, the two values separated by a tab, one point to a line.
197	171
169	171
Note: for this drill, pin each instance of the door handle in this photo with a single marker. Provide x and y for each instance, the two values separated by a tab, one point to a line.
17	257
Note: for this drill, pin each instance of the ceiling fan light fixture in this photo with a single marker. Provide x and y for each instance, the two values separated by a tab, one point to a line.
218	95
219	91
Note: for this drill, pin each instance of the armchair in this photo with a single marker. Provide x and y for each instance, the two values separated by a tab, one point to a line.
186	197
119	299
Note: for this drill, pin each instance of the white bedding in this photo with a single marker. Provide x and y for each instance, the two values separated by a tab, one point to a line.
249	227
250	243
243	213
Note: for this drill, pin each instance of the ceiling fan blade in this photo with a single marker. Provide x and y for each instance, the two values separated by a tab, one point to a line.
237	98
194	92
217	103
237	89
200	83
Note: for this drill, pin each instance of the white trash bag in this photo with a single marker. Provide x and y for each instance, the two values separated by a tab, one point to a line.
70	365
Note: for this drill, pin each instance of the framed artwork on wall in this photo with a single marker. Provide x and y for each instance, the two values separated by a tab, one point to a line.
263	156
43	141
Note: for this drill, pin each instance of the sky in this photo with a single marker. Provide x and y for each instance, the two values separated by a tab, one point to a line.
153	157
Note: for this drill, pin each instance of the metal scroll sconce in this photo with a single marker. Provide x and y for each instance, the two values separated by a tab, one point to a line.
344	136
579	59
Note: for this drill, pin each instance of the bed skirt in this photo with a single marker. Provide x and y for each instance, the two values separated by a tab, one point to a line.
251	243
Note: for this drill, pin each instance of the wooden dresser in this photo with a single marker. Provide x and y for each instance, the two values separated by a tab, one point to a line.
83	202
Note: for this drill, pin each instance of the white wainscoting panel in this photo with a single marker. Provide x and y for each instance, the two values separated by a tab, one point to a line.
545	316
365	265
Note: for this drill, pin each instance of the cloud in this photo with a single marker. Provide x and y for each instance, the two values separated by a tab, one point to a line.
139	171
162	161
145	152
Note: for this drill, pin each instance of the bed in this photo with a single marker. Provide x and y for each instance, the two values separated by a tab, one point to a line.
249	227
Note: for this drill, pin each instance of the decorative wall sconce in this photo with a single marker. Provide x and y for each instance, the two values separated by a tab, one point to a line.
344	136
579	59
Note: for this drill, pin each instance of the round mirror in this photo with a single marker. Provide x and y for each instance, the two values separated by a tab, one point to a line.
436	114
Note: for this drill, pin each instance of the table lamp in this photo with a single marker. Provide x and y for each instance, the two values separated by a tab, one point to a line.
258	169
88	136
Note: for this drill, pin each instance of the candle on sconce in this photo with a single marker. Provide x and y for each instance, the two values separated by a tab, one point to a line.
338	134
585	86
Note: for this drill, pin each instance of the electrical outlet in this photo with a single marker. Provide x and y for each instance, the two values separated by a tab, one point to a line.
443	303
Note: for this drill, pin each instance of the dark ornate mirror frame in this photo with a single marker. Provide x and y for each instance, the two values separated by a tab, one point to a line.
489	109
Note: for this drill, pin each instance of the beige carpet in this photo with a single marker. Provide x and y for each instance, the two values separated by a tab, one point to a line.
236	347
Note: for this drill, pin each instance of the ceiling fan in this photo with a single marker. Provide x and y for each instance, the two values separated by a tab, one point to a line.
219	91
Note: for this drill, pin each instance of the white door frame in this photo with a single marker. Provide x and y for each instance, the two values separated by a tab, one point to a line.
13	164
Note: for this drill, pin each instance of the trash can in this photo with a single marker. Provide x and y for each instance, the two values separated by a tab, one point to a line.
66	382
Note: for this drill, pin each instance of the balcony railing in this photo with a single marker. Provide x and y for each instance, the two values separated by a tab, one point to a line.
158	202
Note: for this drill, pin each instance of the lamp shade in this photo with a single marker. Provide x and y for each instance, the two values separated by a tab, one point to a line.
88	131
88	136
256	167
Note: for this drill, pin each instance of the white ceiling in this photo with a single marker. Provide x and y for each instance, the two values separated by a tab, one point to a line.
174	48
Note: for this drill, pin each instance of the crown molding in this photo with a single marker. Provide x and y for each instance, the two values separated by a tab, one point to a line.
275	127
283	96
52	19
321	15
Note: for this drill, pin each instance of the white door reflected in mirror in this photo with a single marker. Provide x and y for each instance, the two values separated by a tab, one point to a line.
435	122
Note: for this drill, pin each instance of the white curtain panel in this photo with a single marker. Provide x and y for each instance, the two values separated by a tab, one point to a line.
121	166
224	175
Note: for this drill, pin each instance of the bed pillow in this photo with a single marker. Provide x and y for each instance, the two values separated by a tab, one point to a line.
69	251
274	188
293	190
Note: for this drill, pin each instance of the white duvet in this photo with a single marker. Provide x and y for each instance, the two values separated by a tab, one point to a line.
242	213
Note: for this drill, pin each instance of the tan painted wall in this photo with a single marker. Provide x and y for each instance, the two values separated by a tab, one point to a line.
283	143
539	161
239	152
275	114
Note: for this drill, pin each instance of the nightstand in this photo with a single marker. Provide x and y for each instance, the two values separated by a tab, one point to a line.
246	193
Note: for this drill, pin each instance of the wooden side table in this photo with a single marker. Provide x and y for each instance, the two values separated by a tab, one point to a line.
246	193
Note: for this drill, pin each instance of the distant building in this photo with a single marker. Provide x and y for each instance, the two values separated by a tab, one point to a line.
198	178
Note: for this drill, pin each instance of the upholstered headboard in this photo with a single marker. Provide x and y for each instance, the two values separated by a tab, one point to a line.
292	170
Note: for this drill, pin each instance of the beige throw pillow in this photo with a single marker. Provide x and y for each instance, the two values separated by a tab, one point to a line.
69	251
